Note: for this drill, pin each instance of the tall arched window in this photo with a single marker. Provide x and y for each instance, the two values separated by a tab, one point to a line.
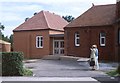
77	39
102	39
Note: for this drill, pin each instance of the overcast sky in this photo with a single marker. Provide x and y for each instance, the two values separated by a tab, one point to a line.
14	12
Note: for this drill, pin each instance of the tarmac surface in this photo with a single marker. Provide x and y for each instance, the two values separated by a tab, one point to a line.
63	68
64	71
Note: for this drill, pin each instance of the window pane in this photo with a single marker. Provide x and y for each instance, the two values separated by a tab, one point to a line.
77	39
39	42
62	51
62	44
102	40
77	35
41	38
56	51
56	44
103	34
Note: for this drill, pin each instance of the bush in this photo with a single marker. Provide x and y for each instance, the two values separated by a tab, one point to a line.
28	72
118	69
12	64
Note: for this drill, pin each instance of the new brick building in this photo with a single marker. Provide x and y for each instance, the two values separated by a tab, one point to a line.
41	35
98	25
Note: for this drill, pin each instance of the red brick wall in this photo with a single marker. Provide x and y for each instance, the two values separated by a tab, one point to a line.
26	42
88	37
6	47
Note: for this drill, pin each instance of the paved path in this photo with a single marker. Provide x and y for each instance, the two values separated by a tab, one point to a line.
62	68
62	71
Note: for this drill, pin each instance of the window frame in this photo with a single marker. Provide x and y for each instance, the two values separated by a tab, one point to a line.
104	39
77	39
40	41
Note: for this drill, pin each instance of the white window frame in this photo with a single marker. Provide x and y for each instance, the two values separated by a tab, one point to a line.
77	38
40	40
104	38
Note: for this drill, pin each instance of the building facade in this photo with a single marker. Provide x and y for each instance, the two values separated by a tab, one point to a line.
96	26
41	35
5	46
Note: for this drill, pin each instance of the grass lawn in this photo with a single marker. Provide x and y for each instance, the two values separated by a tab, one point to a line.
113	73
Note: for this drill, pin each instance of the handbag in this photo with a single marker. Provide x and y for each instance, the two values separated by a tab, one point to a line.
92	62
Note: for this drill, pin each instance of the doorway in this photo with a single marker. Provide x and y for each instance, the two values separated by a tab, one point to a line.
58	47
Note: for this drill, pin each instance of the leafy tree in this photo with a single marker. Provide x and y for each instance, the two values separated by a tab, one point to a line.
68	18
11	41
1	27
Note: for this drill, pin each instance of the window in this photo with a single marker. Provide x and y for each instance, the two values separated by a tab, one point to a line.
77	39
39	42
102	39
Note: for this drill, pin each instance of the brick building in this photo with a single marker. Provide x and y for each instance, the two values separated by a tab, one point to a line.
95	26
5	46
41	35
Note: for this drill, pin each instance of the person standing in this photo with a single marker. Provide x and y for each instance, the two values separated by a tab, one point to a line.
94	57
96	54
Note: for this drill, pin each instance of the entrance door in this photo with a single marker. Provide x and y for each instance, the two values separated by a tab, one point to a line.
58	47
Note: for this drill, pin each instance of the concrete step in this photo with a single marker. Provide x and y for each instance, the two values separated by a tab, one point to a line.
69	58
51	57
59	57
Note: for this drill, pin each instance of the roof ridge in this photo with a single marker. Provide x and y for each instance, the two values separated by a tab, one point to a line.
103	5
46	19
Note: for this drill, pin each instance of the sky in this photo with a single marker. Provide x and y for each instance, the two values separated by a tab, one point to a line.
14	12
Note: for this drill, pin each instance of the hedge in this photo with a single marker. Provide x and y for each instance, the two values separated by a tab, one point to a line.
12	64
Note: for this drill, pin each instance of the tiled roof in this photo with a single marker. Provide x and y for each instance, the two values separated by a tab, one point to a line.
96	16
43	20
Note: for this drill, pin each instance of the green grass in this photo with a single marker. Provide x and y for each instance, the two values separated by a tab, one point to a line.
113	73
28	72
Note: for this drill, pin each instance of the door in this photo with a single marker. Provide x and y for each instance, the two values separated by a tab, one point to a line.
58	47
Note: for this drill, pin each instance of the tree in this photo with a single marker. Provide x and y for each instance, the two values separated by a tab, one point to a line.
68	18
6	38
11	41
1	27
2	36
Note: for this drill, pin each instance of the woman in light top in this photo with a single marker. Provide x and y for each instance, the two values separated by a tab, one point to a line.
94	57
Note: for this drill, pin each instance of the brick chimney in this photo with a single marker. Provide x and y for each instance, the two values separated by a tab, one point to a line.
118	9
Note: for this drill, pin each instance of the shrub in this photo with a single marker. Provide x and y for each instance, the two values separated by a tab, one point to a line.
118	69
28	72
12	64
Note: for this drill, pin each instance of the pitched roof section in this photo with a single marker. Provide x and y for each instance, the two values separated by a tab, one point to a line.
96	16
43	20
4	42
